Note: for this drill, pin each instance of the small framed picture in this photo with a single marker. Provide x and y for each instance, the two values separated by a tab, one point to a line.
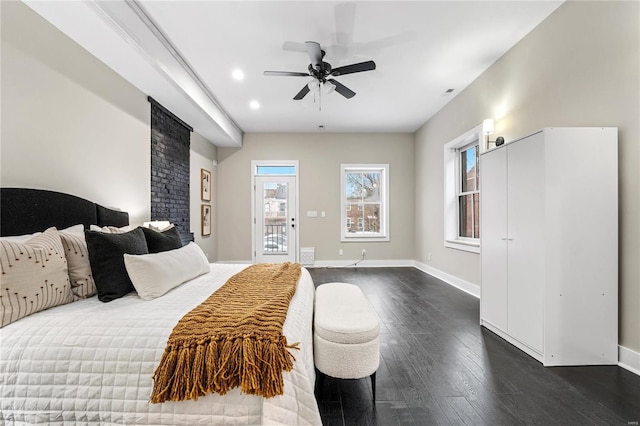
205	185
206	219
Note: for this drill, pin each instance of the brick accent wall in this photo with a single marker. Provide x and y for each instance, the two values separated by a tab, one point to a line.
170	143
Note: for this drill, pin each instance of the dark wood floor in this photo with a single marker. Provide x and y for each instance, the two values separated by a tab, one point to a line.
438	366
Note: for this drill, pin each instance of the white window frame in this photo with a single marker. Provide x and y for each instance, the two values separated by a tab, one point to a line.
383	235
452	178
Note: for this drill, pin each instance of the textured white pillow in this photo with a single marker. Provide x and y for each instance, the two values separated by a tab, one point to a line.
34	276
75	249
155	274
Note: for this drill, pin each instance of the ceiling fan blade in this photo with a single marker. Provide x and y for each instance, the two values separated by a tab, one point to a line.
286	73
315	53
302	93
350	69
342	89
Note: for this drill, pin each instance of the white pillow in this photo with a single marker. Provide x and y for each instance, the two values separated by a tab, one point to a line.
75	229
34	276
110	229
155	274
75	249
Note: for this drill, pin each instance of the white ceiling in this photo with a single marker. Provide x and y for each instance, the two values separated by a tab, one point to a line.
182	53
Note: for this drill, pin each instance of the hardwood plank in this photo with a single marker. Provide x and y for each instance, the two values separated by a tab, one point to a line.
459	411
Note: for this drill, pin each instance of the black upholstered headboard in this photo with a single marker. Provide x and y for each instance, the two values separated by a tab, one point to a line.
25	211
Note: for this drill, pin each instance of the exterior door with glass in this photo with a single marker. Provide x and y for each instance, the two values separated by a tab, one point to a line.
275	221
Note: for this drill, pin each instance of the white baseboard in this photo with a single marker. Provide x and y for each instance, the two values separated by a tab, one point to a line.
466	286
629	360
362	264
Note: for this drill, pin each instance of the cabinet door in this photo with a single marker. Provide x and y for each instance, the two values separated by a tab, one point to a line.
525	240
493	218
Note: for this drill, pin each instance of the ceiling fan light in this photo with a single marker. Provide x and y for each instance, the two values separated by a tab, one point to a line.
313	85
329	87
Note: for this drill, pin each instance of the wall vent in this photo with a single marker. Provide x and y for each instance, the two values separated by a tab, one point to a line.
308	256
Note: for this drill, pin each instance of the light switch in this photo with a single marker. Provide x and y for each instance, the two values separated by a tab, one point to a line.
323	214
312	213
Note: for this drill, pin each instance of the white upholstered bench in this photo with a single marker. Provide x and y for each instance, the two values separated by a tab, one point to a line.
345	335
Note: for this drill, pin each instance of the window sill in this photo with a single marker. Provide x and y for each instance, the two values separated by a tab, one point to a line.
463	245
363	239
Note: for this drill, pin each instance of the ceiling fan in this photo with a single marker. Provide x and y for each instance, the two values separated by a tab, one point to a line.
322	72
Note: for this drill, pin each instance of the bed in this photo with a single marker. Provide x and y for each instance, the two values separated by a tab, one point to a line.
93	362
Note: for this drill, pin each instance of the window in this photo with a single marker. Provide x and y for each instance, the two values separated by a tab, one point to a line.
462	191
281	170
366	186
468	192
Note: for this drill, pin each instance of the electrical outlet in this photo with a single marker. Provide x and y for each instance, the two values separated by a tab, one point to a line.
364	252
340	252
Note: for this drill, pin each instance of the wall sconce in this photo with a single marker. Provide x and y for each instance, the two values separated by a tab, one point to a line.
487	129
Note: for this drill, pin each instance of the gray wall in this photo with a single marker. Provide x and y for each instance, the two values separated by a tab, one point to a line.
580	67
71	124
204	155
319	156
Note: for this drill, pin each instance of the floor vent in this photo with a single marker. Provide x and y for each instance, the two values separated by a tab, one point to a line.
308	256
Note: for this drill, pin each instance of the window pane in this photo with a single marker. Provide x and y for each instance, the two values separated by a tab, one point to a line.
354	186
372	218
275	170
476	215
371	186
468	169
466	215
275	214
352	216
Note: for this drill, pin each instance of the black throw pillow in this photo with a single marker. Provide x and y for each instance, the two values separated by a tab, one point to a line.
106	256
162	241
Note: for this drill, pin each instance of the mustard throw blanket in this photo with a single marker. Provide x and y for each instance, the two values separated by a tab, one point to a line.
234	338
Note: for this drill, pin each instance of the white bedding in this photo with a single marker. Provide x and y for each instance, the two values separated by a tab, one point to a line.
93	362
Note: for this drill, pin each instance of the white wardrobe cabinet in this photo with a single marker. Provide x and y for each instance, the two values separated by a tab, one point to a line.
549	245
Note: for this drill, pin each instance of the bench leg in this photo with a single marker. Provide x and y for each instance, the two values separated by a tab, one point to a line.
373	385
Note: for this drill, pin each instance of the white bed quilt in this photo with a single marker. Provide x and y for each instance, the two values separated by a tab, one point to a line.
93	362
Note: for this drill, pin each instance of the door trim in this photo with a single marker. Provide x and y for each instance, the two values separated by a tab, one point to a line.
254	165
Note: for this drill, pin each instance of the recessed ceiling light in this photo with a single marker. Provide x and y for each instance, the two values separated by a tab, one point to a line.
254	104
237	74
